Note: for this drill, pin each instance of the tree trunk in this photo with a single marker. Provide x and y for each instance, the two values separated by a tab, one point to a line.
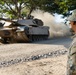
29	15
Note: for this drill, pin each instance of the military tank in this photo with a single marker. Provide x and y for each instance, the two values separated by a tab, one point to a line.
25	30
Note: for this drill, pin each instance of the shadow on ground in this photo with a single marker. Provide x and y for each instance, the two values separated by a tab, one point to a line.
66	41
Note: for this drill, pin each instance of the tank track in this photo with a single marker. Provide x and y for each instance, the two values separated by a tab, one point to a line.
32	58
38	37
32	38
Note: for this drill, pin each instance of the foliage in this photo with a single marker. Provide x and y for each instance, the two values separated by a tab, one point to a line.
60	6
65	6
12	7
20	8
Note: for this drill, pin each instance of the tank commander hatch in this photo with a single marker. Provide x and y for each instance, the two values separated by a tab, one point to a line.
71	64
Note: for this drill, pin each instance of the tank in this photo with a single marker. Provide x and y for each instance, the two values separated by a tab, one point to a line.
25	30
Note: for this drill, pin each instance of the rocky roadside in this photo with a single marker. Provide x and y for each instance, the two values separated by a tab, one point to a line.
32	58
46	58
47	66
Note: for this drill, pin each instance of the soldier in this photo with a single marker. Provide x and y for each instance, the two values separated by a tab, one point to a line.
71	67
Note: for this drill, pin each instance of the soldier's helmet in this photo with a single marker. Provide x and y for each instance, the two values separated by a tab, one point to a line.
73	16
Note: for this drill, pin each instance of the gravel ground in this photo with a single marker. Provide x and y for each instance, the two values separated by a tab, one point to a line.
48	66
53	58
13	51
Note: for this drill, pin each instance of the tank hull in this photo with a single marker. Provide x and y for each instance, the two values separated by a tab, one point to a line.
32	34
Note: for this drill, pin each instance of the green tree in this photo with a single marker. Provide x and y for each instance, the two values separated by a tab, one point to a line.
59	6
65	6
12	7
20	8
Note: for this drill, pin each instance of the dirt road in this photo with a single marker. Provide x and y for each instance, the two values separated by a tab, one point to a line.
46	66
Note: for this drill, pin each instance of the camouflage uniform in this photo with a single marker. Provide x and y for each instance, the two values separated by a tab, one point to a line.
71	67
72	58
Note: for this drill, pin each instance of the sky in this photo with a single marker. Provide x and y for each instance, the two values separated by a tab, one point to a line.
58	18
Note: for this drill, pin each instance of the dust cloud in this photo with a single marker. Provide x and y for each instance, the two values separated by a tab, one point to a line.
56	29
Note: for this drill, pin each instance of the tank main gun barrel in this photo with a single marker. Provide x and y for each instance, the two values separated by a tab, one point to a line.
8	20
